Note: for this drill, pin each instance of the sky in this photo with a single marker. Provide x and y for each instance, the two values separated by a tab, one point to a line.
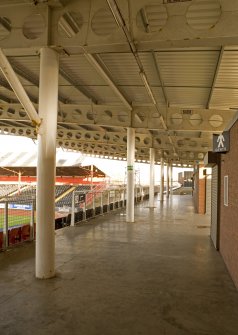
115	169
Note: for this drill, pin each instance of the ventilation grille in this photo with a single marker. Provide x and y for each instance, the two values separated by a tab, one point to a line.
203	14
187	111
103	22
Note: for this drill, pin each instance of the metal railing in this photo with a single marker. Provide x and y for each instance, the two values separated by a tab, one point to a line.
102	202
17	216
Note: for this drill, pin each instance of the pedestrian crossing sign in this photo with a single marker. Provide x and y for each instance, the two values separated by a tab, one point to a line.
221	142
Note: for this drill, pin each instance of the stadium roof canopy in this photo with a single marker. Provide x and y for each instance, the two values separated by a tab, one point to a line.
167	68
25	154
66	171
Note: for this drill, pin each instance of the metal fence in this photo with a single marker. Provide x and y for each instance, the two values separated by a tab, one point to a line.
17	216
102	202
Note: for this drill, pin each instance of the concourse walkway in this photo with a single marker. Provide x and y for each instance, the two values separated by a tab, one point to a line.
157	276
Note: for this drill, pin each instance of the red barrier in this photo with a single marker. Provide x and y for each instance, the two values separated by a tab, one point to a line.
1	240
25	232
14	235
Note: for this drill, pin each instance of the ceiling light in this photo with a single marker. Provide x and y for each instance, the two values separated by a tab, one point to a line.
145	20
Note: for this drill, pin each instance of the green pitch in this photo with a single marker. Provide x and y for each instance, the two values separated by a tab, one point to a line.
14	220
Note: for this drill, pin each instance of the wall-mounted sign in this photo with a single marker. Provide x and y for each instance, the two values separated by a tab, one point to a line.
221	142
79	198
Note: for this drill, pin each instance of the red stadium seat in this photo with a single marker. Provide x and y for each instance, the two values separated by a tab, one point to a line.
25	232
14	235
1	240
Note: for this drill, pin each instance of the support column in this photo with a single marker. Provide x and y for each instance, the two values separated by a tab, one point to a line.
168	177
171	179
73	209
130	191
91	174
162	178
45	198
5	227
152	178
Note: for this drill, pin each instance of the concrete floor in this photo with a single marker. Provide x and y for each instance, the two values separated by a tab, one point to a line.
160	275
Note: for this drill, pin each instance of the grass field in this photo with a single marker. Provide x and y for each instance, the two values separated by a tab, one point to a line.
15	217
14	220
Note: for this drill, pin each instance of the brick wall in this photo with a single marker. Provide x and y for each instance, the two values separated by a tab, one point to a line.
199	194
229	214
202	196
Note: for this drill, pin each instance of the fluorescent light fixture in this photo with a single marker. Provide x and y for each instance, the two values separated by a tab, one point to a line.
116	13
145	20
147	86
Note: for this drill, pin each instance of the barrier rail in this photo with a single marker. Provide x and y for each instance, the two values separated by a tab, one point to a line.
102	202
17	217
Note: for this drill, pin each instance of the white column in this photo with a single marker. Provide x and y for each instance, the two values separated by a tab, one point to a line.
130	175
73	209
45	197
152	177
91	177
171	179
162	178
5	227
168	177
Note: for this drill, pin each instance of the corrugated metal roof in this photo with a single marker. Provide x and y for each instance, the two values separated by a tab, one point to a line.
122	68
73	94
189	68
80	71
228	70
33	91
224	98
159	96
5	28
31	64
63	81
149	66
8	94
136	94
104	94
187	96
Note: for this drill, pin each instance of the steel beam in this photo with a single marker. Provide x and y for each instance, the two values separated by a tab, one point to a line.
19	90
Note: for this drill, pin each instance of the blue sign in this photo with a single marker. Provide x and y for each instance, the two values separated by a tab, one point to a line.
20	206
